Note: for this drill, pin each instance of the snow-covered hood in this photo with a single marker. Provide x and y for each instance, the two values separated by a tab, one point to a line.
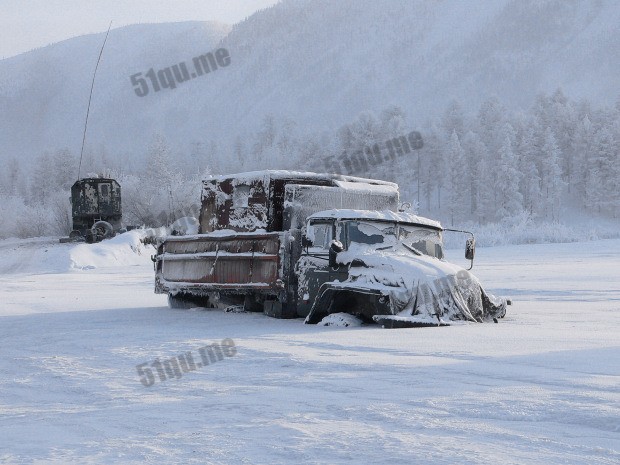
421	287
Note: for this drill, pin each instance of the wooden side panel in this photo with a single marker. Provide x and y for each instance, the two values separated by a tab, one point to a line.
249	261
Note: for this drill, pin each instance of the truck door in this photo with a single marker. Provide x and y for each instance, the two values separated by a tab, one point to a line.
313	266
105	198
319	269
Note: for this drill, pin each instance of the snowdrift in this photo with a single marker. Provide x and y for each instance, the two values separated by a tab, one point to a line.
123	250
47	255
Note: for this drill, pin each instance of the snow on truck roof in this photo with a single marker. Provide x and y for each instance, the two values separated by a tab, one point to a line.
338	179
385	215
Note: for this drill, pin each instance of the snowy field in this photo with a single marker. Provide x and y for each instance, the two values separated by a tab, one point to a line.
542	386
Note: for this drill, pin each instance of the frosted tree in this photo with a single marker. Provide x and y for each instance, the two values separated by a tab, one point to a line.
457	173
507	130
480	189
454	119
163	193
196	159
528	151
601	175
159	164
64	169
287	145
564	123
356	139
433	165
366	130
200	157
541	110
593	187
50	181
344	137
614	169
613	186
240	158
14	181
491	118
42	183
263	149
551	179
393	122
136	208
582	146
615	189
13	208
509	200
212	159
154	198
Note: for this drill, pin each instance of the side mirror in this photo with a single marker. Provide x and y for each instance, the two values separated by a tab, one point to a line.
334	249
470	248
305	242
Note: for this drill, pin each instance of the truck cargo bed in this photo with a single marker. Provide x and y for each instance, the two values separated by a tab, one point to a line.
214	262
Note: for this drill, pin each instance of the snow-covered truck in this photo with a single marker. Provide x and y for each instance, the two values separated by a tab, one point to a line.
296	244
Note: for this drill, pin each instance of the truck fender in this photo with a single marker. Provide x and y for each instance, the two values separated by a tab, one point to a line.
336	297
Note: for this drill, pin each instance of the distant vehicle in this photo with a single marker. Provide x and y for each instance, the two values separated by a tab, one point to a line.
96	209
310	245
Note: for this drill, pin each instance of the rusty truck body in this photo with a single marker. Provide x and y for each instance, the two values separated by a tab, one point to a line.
295	244
249	237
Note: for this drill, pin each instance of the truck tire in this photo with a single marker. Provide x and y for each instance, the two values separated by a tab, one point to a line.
186	301
251	303
102	230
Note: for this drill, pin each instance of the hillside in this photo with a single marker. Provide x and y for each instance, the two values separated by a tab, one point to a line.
317	63
45	108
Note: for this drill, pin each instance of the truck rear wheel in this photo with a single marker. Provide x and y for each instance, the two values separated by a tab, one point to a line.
251	303
185	301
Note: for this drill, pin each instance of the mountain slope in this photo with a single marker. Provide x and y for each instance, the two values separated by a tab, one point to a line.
318	63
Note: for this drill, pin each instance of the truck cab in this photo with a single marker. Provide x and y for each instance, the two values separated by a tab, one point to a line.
332	237
385	266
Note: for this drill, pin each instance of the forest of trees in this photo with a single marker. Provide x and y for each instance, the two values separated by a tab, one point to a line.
482	167
496	164
558	157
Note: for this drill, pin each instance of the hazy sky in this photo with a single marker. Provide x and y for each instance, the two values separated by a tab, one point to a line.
28	24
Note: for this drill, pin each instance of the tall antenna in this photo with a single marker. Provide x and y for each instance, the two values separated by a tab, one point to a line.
92	85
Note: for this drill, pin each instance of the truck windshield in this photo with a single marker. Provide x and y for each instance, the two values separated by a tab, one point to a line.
387	234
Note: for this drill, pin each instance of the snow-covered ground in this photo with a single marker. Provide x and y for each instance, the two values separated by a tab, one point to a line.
542	386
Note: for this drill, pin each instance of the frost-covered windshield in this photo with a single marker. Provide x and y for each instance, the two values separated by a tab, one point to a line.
422	240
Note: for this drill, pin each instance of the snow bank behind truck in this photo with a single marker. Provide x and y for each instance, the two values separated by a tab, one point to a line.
294	244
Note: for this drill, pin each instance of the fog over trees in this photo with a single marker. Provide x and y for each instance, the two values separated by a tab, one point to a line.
480	166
